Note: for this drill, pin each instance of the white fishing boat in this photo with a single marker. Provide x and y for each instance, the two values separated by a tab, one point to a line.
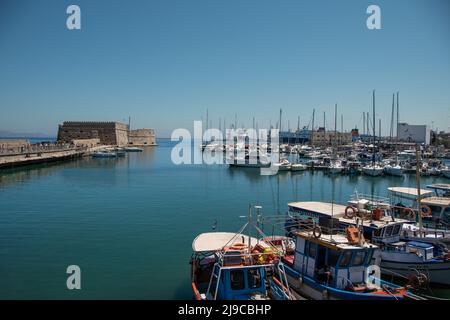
298	167
393	170
399	258
373	170
247	161
434	210
283	165
336	167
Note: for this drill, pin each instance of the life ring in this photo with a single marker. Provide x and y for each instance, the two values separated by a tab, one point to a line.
347	215
408	214
427	212
317	232
238	246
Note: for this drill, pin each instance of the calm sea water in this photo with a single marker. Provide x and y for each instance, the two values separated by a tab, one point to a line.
129	223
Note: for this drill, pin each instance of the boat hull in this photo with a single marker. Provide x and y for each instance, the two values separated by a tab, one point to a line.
437	272
308	288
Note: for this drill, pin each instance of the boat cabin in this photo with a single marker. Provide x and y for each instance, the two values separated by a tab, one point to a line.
224	268
332	260
381	229
435	206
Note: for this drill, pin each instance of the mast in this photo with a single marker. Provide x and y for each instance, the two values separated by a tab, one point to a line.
419	211
398	116
279	122
312	129
324	122
373	107
379	130
391	134
364	123
335	124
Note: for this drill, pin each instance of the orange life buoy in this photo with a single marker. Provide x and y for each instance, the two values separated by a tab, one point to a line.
427	212
347	215
238	246
352	234
408	214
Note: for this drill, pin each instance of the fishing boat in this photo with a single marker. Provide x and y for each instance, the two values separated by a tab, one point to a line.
132	149
393	170
249	161
283	165
333	266
236	266
104	154
336	167
373	170
298	167
434	210
403	259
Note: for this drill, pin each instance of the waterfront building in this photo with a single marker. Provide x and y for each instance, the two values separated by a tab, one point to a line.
414	133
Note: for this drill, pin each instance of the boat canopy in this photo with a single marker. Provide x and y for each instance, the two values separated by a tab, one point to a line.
323	208
409	193
439	186
216	241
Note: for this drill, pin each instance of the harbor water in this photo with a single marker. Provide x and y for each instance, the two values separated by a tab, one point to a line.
129	222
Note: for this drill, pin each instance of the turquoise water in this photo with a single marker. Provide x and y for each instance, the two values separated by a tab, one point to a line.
129	223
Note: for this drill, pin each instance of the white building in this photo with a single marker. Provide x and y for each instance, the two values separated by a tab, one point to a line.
414	133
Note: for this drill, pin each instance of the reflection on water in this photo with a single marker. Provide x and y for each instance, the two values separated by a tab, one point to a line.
129	222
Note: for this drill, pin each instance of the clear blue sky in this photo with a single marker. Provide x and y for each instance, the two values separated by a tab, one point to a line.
165	62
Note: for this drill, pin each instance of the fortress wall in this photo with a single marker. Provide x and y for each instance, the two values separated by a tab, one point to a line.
142	137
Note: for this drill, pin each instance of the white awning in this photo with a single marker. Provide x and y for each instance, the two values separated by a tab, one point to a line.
215	241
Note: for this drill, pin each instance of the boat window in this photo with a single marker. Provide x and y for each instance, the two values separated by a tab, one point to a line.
254	278
396	229
333	257
346	257
237	280
358	258
388	231
312	250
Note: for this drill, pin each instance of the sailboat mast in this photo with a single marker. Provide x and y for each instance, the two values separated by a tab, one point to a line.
312	129
419	211
373	110
279	122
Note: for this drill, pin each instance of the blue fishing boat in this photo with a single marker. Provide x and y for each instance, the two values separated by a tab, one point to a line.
334	266
411	260
234	266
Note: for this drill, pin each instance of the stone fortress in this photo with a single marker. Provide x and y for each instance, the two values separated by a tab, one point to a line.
104	133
